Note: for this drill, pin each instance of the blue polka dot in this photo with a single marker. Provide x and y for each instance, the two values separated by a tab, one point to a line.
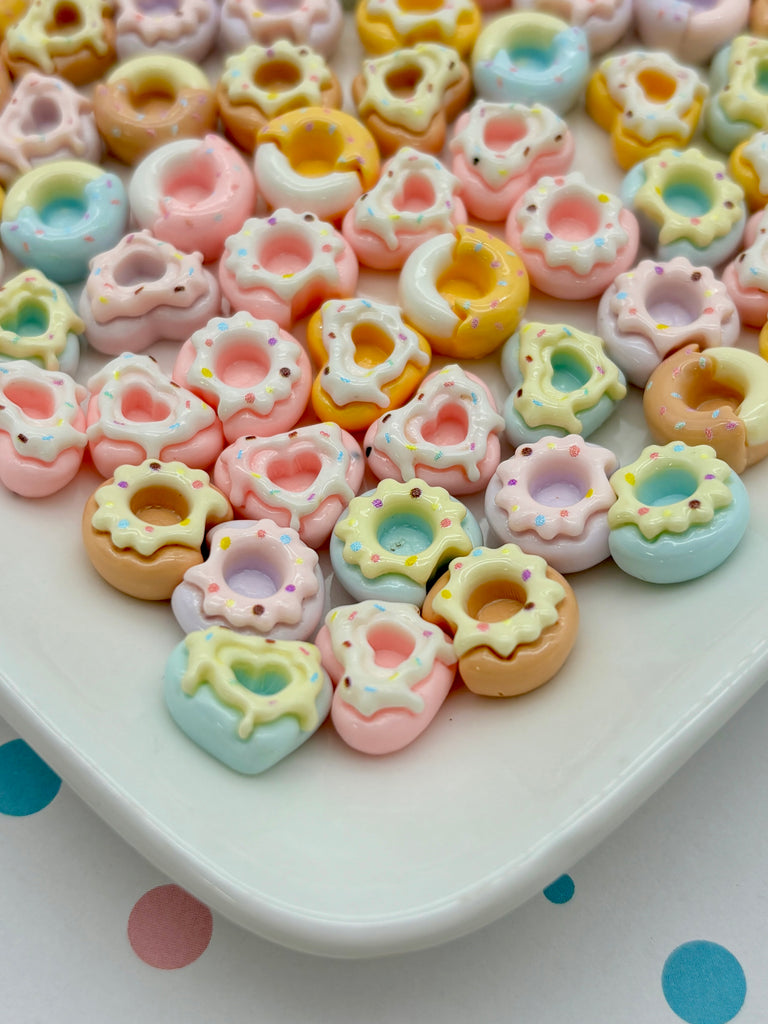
703	983
27	784
561	890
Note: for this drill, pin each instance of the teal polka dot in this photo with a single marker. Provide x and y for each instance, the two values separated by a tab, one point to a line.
27	784
703	983
561	890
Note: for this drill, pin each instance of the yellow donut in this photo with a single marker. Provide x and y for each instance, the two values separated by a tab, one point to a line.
385	25
71	38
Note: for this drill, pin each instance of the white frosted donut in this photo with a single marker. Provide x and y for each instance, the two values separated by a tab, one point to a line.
185	28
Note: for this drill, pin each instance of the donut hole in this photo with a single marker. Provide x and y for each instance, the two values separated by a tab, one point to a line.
62	211
30	320
159	506
372	345
249	570
35	400
688	193
265	680
192	181
139	405
496	600
558	488
530	49
657	87
666	485
573	218
467	278
42	116
276	76
315	153
139	268
404	534
502	132
391	646
449	426
241	364
152	96
65	20
570	370
402	82
416	194
294	472
706	394
284	252
673	304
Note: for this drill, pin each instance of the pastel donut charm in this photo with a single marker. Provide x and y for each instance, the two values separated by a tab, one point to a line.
746	277
552	499
186	28
513	619
42	429
58	216
561	382
74	40
285	265
737	107
147	290
656	308
303	479
415	199
259	578
748	166
647	101
389	543
718	397
466	292
391	673
447	435
386	25
135	412
38	323
679	513
686	205
689	29
315	160
603	23
255	375
316	23
528	57
193	193
573	239
45	119
370	361
501	149
246	700
144	527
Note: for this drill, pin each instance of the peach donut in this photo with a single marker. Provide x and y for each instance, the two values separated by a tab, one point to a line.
303	479
38	323
184	28
407	98
193	193
74	39
370	361
513	619
316	23
45	119
285	265
259	578
448	435
386	25
263	82
415	199
147	290
315	160
391	673
42	429
150	100
746	277
135	412
144	528
256	376
718	397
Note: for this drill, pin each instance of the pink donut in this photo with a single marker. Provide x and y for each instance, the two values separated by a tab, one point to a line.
193	193
315	22
746	277
501	149
42	429
135	413
448	435
147	290
254	374
303	479
285	265
415	199
185	28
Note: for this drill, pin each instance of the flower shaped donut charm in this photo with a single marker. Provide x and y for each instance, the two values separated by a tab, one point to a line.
74	40
387	25
737	106
316	23
38	323
246	700
391	677
679	513
186	29
513	619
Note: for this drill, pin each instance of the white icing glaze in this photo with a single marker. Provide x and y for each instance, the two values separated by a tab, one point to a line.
756	152
752	265
239	77
404	18
326	194
157	25
36	437
31	39
31	286
368	686
418	285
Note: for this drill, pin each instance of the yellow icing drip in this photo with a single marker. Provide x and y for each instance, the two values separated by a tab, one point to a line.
744	100
218	655
697	462
32	37
511	565
438	67
240	70
541	403
33	289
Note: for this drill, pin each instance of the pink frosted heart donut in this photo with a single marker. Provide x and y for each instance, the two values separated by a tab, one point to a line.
42	429
285	265
501	149
415	199
573	239
746	277
193	193
148	291
391	670
136	413
303	479
259	578
448	435
254	374
185	28
315	22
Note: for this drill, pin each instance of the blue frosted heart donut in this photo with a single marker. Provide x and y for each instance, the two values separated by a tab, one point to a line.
59	215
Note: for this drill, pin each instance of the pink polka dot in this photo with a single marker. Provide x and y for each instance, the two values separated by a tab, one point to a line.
168	928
